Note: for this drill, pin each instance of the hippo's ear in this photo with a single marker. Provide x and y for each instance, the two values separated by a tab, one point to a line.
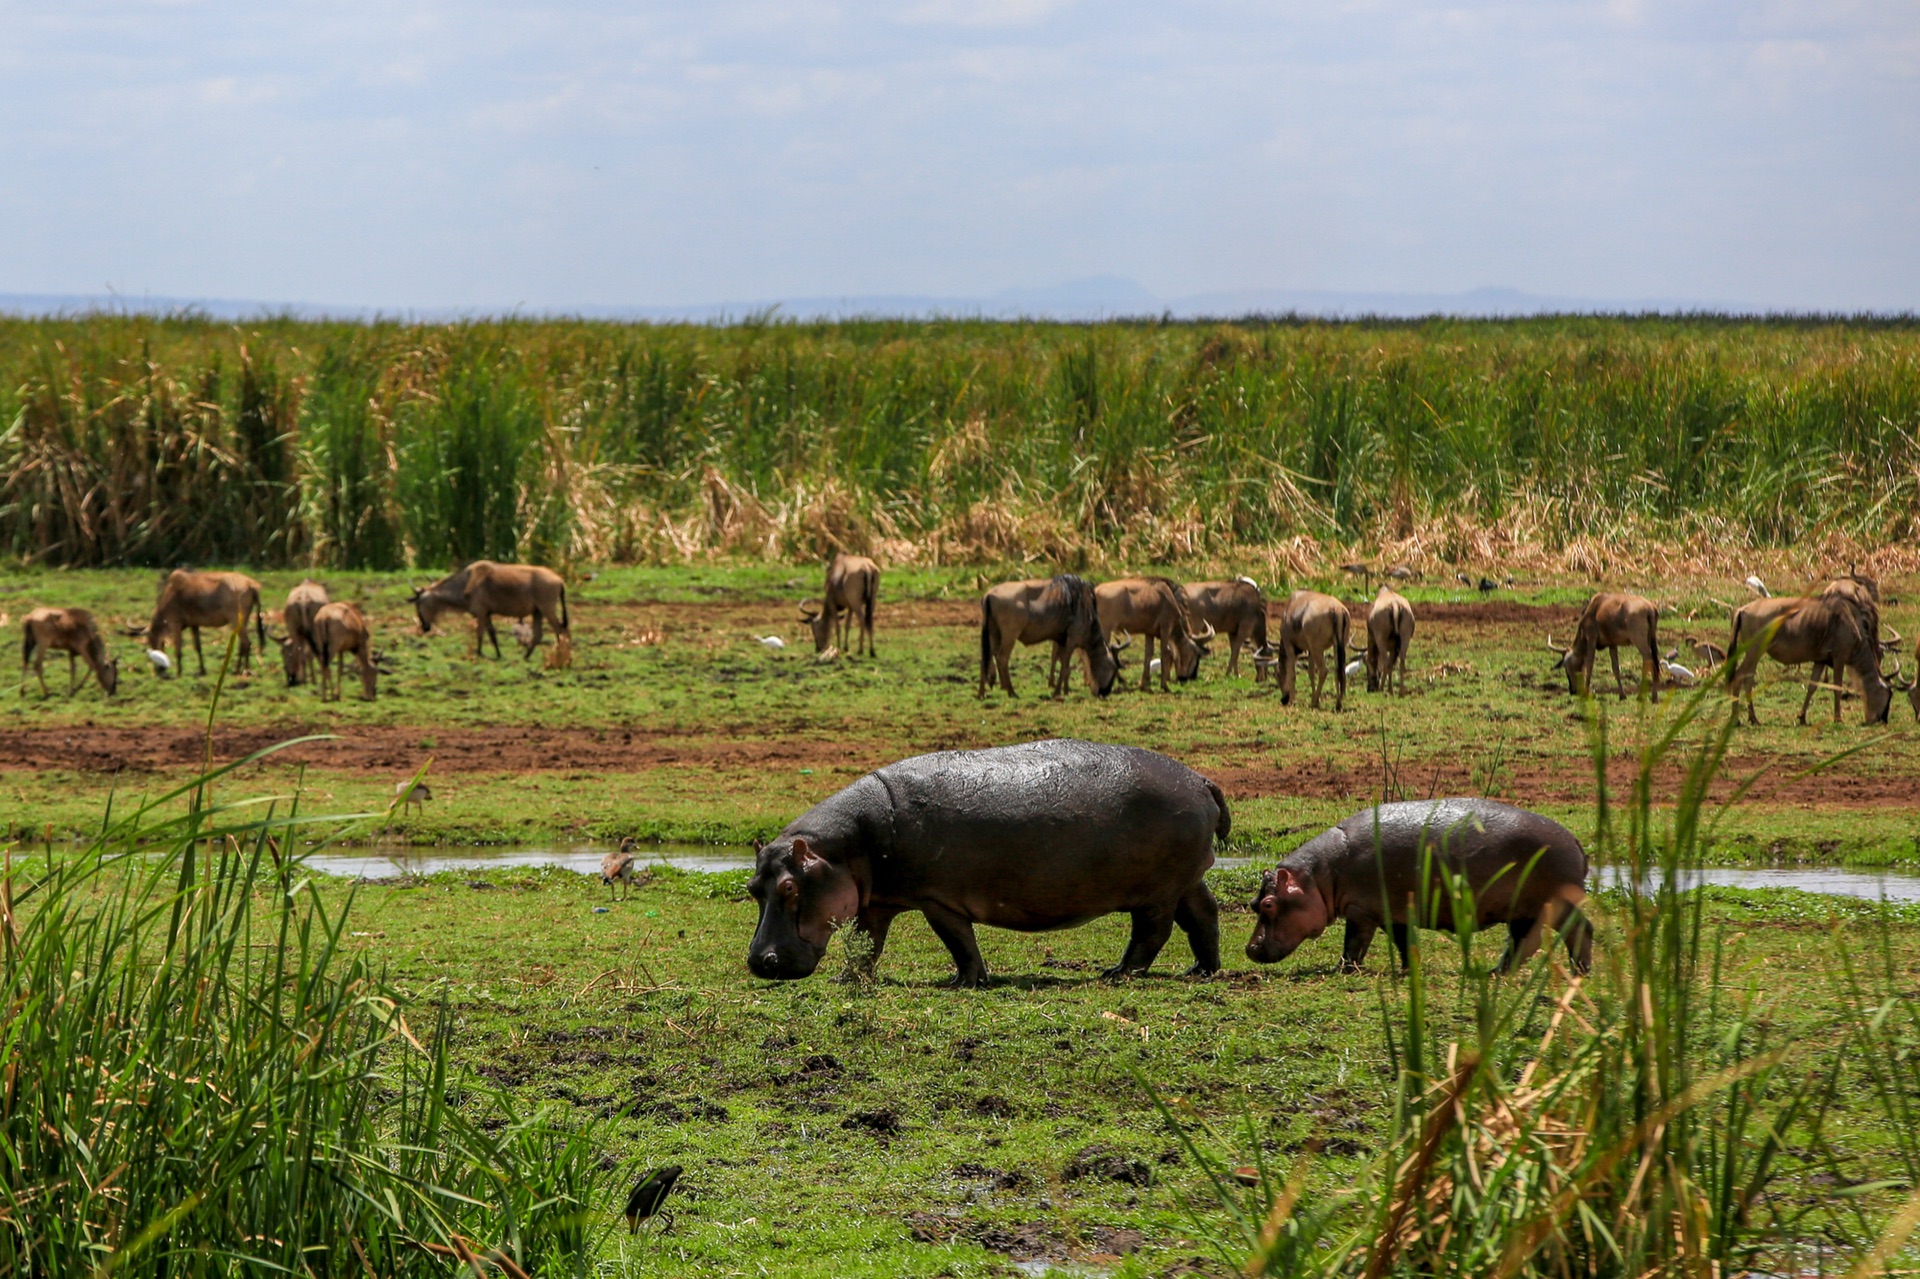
805	860
1287	884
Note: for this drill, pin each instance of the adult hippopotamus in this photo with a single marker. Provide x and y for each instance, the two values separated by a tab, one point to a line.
1526	871
1032	837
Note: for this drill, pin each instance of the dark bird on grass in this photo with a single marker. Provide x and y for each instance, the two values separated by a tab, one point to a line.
645	1201
1488	586
1362	571
618	865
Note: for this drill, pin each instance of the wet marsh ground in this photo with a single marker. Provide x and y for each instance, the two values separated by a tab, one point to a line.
900	1128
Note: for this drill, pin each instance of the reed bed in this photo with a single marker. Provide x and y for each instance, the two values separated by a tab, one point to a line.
1574	444
1645	1120
200	1079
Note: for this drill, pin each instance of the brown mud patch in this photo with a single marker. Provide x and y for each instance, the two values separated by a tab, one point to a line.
398	750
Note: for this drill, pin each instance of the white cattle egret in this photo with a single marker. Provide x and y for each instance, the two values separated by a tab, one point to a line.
161	663
771	642
1757	586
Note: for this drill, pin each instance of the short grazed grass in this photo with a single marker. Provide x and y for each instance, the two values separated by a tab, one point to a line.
905	1129
673	723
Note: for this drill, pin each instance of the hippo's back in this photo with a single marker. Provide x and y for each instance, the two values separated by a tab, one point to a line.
1068	829
1476	835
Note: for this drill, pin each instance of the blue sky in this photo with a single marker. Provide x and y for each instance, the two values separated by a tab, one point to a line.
405	154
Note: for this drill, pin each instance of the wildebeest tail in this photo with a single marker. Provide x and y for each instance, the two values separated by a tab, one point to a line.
566	627
26	646
1224	826
866	610
986	638
259	620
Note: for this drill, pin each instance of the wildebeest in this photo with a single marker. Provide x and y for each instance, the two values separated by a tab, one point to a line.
1153	608
1311	624
1613	620
487	590
1389	636
1236	610
853	586
1525	871
1828	631
341	628
1033	837
297	649
1040	610
70	631
190	600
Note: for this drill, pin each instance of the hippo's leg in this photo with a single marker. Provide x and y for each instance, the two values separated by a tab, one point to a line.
1199	918
1353	952
874	924
956	933
1523	939
1577	931
1403	943
1151	928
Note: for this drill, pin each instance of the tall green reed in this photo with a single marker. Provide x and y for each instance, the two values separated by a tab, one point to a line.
148	441
202	1078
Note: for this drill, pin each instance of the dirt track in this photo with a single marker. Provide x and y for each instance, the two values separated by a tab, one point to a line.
397	749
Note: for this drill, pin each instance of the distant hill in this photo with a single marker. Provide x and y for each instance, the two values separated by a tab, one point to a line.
1095	298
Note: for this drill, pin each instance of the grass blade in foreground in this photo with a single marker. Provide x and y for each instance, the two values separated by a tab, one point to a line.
200	1081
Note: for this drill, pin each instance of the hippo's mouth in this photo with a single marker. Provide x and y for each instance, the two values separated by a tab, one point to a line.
787	963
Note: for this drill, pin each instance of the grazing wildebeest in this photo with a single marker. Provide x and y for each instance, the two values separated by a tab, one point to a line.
1526	871
1828	631
1613	620
1237	610
1311	624
853	586
341	628
1389	636
70	631
1059	610
190	600
297	649
1032	837
1156	609
486	590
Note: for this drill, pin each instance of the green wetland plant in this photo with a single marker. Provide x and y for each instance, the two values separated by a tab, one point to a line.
200	1080
1636	1122
132	440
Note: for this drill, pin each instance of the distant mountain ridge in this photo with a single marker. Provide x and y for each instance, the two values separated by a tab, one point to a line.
1094	298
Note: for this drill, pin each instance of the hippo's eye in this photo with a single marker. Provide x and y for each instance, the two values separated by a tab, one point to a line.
789	889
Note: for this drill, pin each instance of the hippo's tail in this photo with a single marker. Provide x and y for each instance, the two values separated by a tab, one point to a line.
1224	826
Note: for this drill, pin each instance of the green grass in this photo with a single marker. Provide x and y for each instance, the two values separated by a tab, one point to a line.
707	737
132	440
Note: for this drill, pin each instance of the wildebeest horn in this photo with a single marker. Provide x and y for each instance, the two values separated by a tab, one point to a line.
1198	638
1120	640
1895	642
1555	647
806	614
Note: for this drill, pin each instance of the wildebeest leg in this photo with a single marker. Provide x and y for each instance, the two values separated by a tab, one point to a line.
874	925
956	933
1650	663
198	656
1003	660
1151	928
1317	673
73	681
1619	680
1813	682
528	655
1146	661
1199	918
1339	675
1353	951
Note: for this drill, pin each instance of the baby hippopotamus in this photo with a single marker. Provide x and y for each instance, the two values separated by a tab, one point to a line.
1526	871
